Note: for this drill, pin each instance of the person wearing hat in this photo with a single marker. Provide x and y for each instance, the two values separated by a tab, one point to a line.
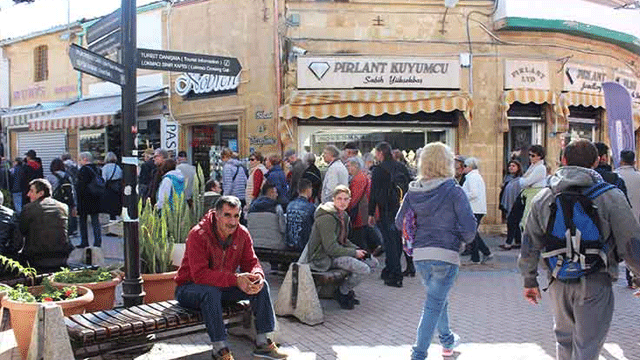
145	174
296	169
459	167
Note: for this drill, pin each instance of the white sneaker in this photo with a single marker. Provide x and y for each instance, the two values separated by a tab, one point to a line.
448	350
486	258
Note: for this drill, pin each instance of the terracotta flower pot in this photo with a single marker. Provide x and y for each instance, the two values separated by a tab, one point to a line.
104	293
159	287
23	314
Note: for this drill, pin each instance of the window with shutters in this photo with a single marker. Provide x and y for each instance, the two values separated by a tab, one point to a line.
40	63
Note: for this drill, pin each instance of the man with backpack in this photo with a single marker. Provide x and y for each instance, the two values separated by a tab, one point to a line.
581	227
389	182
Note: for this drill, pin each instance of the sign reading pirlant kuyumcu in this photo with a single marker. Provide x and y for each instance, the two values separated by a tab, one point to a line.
352	72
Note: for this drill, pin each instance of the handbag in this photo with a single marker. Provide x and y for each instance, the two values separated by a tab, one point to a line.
298	296
114	185
97	185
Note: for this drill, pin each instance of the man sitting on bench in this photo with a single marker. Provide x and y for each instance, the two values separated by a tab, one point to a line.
216	247
328	246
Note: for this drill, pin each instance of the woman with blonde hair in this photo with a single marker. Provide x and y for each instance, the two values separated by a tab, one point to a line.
443	221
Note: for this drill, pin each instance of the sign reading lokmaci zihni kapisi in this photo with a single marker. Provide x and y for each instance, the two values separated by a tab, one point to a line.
352	72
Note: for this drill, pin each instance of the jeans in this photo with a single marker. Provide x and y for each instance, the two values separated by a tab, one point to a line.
392	247
438	278
17	202
209	300
95	224
478	243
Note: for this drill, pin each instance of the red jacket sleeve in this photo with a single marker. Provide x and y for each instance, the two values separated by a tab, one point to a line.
198	252
249	261
257	182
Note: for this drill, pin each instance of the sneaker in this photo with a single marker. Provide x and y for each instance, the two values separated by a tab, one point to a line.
486	258
269	351
352	295
346	302
505	246
448	350
223	354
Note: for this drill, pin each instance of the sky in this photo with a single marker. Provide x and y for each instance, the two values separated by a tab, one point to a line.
22	19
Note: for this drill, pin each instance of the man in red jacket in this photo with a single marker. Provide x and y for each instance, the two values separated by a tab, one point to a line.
216	247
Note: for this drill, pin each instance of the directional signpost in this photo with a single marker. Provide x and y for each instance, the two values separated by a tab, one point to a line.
96	65
108	44
104	26
187	62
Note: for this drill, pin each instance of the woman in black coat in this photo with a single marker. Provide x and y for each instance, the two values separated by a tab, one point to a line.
88	204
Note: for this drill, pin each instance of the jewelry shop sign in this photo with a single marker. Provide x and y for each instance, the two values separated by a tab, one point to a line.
351	72
584	79
526	74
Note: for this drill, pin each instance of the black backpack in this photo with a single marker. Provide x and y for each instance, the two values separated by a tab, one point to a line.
96	185
64	190
399	184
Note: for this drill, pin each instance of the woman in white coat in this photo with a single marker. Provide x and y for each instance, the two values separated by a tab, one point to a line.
476	191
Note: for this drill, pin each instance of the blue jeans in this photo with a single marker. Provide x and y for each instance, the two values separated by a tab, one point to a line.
17	202
438	277
209	299
95	224
392	246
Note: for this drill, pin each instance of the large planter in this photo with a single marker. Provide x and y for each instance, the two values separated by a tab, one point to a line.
159	287
104	293
23	314
178	253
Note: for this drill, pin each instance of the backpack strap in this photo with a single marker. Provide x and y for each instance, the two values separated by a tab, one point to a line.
598	189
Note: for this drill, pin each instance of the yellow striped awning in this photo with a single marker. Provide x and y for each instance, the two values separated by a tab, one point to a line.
524	96
304	104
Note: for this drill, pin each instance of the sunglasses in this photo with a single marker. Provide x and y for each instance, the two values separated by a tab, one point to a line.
252	159
533	155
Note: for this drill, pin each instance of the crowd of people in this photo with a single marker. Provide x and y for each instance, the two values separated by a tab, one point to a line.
363	206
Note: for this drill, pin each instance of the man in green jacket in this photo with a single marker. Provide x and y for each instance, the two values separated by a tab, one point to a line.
329	247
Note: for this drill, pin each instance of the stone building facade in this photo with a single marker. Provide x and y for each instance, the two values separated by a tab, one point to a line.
412	72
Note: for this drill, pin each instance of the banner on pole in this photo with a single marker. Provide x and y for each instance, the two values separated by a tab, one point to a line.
619	118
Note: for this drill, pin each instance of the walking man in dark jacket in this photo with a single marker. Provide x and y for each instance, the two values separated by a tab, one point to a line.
606	171
43	222
387	185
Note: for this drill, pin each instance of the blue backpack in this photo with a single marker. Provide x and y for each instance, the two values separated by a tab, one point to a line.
574	245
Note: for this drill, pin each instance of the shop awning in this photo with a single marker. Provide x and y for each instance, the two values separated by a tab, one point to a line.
87	113
21	116
524	96
321	104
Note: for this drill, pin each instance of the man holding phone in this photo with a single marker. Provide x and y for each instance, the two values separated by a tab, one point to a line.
216	248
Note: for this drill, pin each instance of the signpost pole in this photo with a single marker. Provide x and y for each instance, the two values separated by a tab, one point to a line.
132	284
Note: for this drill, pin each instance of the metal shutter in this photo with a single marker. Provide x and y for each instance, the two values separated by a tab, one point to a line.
48	145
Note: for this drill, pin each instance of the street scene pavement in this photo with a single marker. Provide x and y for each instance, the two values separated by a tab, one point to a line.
486	309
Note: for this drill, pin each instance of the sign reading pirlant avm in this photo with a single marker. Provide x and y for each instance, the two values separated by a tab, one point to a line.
352	72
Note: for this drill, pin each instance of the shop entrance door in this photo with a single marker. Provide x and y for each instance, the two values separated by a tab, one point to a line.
520	137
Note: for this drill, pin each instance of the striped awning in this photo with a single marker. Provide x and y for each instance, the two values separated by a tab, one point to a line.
21	118
304	104
524	96
87	113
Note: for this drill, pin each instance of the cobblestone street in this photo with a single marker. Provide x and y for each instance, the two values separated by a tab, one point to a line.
486	309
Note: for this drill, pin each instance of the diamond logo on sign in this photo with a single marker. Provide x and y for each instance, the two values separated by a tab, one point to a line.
319	69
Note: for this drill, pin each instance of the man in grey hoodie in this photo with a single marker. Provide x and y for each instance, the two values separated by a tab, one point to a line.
582	309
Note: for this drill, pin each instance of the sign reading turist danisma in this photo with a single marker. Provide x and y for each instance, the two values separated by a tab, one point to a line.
351	72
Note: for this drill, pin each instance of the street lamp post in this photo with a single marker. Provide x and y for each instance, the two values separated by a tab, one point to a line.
132	284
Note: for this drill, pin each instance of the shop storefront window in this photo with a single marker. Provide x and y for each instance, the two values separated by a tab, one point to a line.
207	141
409	140
583	124
94	141
526	128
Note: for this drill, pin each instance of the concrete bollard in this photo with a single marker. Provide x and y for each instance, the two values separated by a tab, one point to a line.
49	339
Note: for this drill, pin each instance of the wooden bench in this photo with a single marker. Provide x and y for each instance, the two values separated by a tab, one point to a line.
138	326
284	257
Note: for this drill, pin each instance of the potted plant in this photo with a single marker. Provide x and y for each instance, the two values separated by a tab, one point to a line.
156	245
181	217
23	302
101	281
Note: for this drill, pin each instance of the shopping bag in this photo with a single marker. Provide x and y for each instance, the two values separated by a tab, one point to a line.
298	296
